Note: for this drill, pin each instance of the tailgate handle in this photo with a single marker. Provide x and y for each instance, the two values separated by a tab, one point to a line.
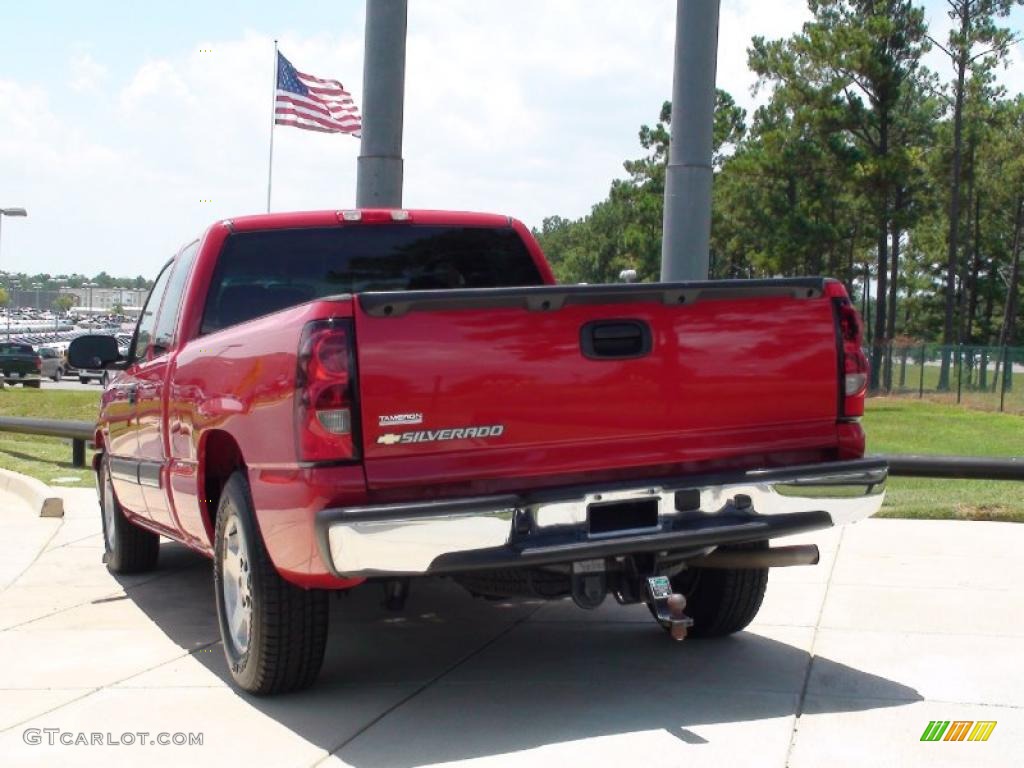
615	339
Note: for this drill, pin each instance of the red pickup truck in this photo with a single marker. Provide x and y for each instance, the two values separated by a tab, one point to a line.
315	400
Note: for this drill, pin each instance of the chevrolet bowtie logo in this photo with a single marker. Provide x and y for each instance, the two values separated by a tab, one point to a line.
388	439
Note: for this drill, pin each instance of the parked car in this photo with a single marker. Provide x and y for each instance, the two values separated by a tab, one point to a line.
20	364
52	363
97	375
317	400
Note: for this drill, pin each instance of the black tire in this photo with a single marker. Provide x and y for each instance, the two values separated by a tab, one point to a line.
286	626
34	383
722	601
83	379
57	375
129	549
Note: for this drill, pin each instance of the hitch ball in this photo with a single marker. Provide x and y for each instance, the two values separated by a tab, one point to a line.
668	606
676	605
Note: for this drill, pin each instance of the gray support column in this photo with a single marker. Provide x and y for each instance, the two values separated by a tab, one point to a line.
379	178
687	218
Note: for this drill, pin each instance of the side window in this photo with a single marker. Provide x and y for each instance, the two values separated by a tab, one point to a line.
163	336
147	320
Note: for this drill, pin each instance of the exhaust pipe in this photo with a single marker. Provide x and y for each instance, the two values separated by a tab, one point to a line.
776	557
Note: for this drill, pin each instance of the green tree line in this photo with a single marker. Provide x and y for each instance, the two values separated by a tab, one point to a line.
48	282
863	164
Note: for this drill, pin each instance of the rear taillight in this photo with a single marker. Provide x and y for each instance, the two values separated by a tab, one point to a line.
854	365
325	396
39	363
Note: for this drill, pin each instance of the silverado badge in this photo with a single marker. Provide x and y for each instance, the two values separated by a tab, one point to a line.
439	435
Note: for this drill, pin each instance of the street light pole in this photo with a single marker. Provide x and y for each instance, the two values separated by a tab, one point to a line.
90	286
7	309
56	309
10	212
11	286
686	231
379	171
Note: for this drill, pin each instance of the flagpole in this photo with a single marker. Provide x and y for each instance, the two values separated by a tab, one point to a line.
273	105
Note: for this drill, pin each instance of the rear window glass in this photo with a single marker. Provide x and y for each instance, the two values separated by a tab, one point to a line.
16	349
262	272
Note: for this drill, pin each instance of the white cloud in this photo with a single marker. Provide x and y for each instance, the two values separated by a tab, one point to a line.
738	22
156	83
86	74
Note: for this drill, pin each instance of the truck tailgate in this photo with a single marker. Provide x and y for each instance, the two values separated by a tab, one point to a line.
503	383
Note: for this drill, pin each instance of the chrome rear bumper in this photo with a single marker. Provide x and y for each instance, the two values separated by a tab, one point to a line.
681	514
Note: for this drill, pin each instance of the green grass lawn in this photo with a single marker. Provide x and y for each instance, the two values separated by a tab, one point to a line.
46	458
893	425
901	425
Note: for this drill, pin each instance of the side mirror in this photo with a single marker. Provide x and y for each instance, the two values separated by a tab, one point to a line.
93	351
627	276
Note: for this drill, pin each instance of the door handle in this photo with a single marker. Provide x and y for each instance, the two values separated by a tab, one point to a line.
615	339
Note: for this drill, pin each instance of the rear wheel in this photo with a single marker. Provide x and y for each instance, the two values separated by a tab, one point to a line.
274	633
57	374
129	549
722	601
83	379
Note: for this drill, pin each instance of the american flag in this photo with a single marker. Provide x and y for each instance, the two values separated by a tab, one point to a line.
313	103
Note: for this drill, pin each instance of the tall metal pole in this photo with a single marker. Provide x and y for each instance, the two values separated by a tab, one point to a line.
273	117
7	283
687	219
379	177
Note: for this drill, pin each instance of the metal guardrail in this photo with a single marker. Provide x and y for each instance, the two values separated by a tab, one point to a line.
79	432
956	467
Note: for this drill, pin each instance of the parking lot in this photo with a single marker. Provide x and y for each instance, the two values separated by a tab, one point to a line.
70	383
902	623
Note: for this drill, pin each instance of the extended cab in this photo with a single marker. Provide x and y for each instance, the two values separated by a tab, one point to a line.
315	400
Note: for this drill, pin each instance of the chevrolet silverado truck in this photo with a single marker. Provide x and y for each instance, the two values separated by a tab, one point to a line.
318	400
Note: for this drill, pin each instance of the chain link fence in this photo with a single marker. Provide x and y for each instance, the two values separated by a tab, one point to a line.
987	378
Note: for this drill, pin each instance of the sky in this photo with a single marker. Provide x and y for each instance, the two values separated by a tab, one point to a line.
125	132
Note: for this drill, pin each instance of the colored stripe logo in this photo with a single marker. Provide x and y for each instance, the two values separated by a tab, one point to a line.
958	730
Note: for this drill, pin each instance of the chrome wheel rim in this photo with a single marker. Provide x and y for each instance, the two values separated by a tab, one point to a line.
235	586
108	512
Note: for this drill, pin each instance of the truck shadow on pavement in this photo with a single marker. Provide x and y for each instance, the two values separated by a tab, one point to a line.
454	677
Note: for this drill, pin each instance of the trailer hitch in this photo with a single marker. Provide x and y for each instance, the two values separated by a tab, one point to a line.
668	606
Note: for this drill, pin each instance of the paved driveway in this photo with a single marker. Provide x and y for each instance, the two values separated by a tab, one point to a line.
902	623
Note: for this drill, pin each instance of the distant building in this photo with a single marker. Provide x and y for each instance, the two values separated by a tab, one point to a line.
105	299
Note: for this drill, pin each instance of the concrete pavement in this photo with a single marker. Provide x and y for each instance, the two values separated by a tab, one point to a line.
72	383
903	622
